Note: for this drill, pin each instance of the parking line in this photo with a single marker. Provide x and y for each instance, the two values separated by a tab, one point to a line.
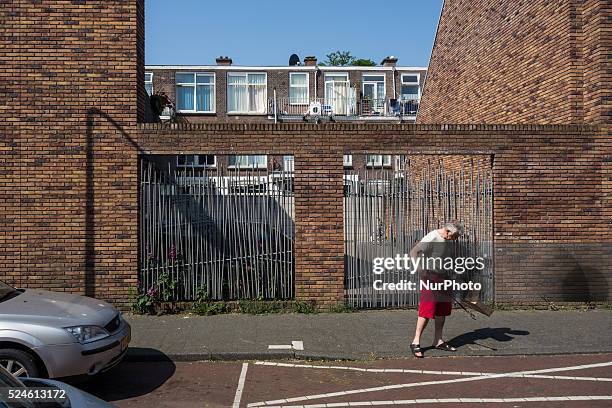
238	395
454	401
417	384
429	372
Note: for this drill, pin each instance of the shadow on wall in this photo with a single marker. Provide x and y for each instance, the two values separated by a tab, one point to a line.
90	240
584	280
553	272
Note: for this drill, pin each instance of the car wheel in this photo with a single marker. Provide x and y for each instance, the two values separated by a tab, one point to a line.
18	363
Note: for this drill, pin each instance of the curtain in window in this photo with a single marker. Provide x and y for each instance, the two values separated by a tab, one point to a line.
204	97
257	93
237	94
336	95
298	89
185	97
410	92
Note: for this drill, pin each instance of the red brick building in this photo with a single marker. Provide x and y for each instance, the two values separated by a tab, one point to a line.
72	134
226	92
520	62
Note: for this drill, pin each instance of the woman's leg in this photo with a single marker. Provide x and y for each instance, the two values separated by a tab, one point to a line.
420	326
438	330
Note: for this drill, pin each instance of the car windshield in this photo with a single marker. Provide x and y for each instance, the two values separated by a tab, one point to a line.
7	292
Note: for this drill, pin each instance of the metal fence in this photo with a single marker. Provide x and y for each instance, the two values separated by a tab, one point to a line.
342	106
229	233
387	210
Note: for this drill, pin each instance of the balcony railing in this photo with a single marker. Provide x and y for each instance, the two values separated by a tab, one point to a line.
339	106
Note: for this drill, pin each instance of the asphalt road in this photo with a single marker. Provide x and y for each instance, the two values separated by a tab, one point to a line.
504	381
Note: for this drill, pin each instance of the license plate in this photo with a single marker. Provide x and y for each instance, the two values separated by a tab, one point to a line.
124	342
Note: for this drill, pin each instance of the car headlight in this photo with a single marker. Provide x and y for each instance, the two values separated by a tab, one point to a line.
87	334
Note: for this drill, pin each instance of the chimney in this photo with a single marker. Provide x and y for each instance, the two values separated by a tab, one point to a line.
389	61
310	61
224	60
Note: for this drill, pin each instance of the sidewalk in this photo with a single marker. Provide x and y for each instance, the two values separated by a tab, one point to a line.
364	335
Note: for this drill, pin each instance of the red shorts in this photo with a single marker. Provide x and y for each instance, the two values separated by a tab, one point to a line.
434	303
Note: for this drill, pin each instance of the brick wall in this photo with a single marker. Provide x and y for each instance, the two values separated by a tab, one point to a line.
67	224
548	191
519	62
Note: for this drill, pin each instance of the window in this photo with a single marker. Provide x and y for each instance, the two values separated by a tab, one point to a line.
149	82
246	93
378	160
374	93
288	163
259	161
195	92
410	87
196	160
298	88
401	162
339	96
347	160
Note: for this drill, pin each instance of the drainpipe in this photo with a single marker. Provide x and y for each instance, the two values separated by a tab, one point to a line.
394	90
316	78
275	114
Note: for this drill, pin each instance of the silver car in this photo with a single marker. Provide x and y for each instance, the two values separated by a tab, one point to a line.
51	334
20	393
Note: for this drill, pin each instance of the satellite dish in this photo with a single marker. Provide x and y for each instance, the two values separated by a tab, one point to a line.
294	60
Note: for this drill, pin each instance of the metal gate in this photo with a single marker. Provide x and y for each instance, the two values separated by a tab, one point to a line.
389	206
229	232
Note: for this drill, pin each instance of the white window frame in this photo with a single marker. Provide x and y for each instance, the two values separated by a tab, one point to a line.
288	163
347	160
400	162
246	74
198	165
411	83
364	82
300	86
150	81
380	160
263	165
195	91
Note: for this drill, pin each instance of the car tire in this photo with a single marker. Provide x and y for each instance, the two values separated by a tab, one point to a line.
18	361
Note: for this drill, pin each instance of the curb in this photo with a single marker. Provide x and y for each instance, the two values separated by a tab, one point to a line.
157	356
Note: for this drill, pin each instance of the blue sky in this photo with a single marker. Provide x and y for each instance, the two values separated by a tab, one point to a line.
267	32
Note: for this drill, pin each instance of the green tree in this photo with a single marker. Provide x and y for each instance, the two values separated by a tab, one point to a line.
339	59
344	58
364	62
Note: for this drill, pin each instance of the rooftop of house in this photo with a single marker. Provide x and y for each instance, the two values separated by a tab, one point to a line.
309	63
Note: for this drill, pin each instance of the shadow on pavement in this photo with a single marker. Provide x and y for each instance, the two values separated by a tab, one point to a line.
501	334
130	378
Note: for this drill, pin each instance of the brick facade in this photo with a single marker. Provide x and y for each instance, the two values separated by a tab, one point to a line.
520	62
70	143
164	81
549	189
67	220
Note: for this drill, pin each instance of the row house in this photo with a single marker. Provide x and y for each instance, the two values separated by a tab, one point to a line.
302	91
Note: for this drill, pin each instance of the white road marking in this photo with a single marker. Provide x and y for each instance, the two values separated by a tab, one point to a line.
295	345
240	388
454	401
418	384
432	372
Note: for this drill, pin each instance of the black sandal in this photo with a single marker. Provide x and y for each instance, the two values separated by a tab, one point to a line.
445	347
416	348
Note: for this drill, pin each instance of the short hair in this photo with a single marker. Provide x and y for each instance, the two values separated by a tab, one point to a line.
454	227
